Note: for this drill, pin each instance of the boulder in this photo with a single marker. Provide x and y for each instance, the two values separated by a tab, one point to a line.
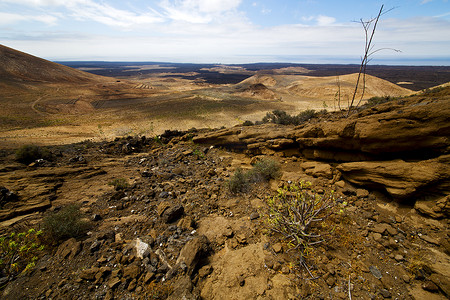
170	212
132	271
193	252
89	274
435	209
69	249
317	169
142	249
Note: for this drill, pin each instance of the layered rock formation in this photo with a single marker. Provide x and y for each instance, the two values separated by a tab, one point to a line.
400	147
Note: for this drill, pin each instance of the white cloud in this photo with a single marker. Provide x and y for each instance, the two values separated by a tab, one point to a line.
106	14
321	20
197	11
44	2
425	1
325	20
10	18
100	12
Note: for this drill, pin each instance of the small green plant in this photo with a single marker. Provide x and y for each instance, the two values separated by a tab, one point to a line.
157	139
199	153
296	212
264	170
248	123
66	223
29	153
120	184
19	252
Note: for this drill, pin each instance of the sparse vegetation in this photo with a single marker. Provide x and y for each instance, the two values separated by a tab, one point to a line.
66	223
199	153
433	91
19	252
378	100
264	170
282	117
295	213
238	182
159	290
120	184
30	153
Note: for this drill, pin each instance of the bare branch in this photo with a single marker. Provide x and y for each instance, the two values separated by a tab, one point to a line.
369	27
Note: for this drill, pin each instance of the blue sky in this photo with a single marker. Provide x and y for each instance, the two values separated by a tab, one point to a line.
226	31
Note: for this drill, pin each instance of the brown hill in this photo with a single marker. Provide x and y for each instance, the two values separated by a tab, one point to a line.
325	88
259	91
16	66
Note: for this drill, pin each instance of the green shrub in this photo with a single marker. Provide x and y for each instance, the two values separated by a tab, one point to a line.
264	170
305	116
120	184
248	123
19	252
29	153
283	118
199	153
296	213
278	117
65	223
238	182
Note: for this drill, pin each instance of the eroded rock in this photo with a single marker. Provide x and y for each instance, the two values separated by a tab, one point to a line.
193	252
399	178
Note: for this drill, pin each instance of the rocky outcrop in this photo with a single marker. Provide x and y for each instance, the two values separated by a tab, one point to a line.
415	128
37	188
400	146
400	179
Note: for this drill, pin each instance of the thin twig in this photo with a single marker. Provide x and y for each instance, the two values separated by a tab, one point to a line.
349	289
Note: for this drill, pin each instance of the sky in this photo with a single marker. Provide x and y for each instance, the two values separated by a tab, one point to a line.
227	31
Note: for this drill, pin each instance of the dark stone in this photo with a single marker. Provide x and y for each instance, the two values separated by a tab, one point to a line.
375	272
163	194
95	246
96	217
254	216
385	293
6	196
173	213
430	286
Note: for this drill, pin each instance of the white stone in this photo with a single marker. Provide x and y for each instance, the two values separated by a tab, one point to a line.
142	249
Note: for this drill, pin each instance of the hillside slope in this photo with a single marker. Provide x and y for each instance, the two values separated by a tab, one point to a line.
22	67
